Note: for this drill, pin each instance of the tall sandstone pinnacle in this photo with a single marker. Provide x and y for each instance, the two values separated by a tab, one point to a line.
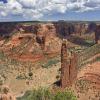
68	67
65	75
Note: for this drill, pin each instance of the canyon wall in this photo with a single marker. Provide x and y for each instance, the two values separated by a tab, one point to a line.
40	38
97	34
59	28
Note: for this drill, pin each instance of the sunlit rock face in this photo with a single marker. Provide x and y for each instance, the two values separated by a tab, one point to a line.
39	36
48	35
80	28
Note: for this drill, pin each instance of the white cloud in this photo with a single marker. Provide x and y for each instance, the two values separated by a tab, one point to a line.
35	9
3	13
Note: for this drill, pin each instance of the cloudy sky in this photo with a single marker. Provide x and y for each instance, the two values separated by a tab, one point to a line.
27	10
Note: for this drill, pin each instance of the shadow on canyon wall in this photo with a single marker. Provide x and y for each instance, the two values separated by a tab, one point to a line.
80	41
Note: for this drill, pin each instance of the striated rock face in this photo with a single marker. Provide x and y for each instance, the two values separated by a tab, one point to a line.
29	42
80	28
64	29
68	67
41	41
36	38
58	28
46	37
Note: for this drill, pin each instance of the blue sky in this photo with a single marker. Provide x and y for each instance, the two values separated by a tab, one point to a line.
4	1
28	10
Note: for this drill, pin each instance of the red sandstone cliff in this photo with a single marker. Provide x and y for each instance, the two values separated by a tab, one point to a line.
37	38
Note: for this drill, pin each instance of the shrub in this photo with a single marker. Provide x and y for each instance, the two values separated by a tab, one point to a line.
67	95
45	94
40	94
2	56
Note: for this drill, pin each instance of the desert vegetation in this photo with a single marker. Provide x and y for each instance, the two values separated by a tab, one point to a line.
46	94
30	57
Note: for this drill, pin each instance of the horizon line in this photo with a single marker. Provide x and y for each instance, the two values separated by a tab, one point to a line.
51	21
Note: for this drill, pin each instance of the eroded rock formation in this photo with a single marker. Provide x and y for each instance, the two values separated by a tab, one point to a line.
45	37
65	66
6	95
68	67
59	28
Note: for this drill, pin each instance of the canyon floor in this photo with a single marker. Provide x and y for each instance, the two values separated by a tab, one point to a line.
89	77
42	77
86	87
45	71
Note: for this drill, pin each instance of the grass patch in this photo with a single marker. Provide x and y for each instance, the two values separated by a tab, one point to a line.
50	63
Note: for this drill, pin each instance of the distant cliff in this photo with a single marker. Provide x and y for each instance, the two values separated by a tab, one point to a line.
28	40
59	28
